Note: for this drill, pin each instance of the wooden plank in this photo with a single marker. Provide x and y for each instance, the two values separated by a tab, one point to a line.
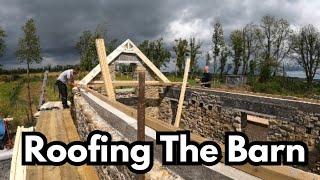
15	154
67	170
105	68
50	131
258	120
17	170
182	92
58	125
134	83
35	172
71	132
263	172
85	172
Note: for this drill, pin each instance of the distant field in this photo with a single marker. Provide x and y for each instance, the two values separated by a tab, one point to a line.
13	95
13	90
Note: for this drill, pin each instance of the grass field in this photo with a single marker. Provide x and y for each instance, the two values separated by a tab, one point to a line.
13	96
13	91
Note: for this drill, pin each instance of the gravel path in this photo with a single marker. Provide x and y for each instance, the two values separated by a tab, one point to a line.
5	169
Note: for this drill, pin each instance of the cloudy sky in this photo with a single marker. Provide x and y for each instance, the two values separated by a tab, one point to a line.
60	22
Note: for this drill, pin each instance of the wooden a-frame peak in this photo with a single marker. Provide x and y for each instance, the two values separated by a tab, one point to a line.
126	47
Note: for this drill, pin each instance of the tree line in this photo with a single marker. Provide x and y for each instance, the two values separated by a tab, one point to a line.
260	49
255	49
265	47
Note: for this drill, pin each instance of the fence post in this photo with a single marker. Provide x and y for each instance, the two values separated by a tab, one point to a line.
43	89
141	113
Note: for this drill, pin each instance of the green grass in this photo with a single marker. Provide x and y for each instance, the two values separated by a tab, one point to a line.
123	77
13	97
285	87
191	81
13	91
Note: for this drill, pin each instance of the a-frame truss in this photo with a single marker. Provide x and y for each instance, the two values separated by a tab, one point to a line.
126	47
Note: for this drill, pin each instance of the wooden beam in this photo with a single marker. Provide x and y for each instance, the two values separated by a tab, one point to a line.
105	68
182	93
43	89
150	64
141	113
16	149
263	172
135	83
17	170
96	70
124	48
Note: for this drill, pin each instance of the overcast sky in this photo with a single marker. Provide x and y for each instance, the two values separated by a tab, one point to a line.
60	22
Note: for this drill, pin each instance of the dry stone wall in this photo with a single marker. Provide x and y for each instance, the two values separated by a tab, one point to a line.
152	100
288	120
87	120
202	113
211	113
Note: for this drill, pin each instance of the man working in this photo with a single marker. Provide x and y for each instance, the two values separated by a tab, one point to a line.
206	78
64	78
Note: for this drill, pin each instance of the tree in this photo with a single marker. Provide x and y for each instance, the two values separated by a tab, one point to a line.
208	59
273	38
2	42
181	49
86	46
194	51
218	45
156	52
87	49
305	48
111	46
249	46
225	52
237	44
29	51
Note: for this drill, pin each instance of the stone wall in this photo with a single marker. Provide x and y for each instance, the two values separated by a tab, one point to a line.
87	120
202	114
152	100
211	113
288	119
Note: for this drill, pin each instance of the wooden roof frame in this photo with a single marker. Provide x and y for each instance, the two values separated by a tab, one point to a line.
126	47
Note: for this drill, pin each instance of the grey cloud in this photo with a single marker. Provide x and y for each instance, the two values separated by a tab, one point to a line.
60	22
